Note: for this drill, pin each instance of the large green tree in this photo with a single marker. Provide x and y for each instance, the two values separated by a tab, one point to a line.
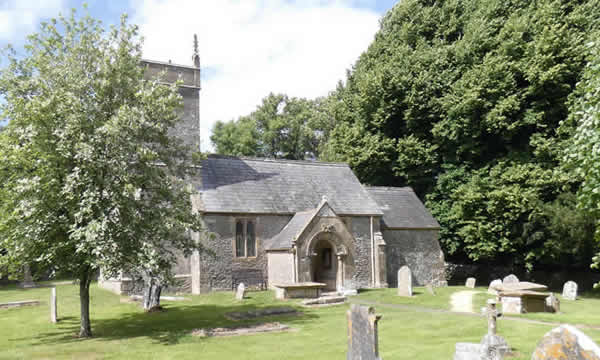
583	153
280	127
463	100
90	175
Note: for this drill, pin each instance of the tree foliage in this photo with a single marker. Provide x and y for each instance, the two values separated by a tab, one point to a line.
583	153
469	100
281	127
90	176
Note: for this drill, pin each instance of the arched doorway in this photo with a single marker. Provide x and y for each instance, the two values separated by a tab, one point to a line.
324	265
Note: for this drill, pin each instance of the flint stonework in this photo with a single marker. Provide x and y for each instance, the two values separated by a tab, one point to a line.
566	342
570	290
404	281
241	291
470	283
362	333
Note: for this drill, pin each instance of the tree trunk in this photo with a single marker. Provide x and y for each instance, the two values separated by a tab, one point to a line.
85	279
152	290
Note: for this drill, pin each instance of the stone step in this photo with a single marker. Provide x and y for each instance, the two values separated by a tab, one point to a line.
325	300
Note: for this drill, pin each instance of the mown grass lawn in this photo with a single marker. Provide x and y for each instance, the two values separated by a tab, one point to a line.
123	331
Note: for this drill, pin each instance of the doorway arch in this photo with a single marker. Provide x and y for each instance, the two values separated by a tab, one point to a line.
324	265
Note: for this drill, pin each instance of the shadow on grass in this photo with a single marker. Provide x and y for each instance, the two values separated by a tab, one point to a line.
165	327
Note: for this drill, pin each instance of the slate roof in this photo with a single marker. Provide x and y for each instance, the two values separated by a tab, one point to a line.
401	208
248	185
284	239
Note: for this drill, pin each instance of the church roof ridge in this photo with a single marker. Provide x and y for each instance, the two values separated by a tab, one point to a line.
281	161
388	188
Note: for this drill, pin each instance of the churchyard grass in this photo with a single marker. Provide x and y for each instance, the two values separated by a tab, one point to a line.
123	331
420	297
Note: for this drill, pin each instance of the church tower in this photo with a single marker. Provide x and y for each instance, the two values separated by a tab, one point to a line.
188	128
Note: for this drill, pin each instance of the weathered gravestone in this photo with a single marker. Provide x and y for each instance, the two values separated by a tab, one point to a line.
362	333
470	283
430	289
552	304
491	347
510	279
404	281
566	342
241	291
492	289
27	278
53	314
570	290
495	347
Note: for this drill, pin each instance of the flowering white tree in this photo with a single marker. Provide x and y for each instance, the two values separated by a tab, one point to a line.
90	176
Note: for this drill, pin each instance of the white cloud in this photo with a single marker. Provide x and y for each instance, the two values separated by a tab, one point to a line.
19	16
250	48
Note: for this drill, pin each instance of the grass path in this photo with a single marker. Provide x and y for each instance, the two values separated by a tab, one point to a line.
462	301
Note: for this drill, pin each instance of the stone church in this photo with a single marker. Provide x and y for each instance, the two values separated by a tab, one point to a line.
290	222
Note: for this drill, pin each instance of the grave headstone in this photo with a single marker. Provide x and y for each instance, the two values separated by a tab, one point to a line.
570	290
362	333
53	313
429	288
510	279
495	346
404	281
566	342
491	347
27	278
241	291
470	283
492	289
552	304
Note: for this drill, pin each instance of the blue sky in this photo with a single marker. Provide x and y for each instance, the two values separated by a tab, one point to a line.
248	48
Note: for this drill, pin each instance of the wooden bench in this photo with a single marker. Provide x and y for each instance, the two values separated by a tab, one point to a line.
250	278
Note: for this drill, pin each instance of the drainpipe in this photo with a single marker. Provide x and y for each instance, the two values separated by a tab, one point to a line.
372	253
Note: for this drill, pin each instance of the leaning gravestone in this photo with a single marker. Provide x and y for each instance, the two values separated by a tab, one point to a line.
510	279
430	289
470	283
362	333
404	281
27	278
570	290
566	342
241	291
492	289
53	315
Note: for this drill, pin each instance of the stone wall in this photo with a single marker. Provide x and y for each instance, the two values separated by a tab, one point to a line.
216	268
419	250
188	129
360	227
